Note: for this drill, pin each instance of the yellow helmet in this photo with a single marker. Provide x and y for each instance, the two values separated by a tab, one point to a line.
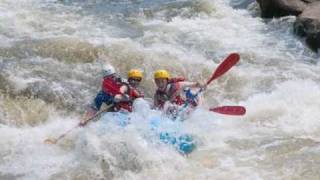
135	73
161	74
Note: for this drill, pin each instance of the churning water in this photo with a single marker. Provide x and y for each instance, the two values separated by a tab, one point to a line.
51	52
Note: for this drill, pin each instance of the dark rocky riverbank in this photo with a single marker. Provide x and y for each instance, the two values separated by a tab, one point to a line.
308	17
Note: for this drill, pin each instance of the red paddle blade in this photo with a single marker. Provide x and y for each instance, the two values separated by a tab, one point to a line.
230	110
230	61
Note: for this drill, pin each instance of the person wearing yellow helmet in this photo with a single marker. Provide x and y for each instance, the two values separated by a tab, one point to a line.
134	77
169	90
129	91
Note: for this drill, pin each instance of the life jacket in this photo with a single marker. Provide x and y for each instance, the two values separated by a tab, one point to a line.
133	94
170	93
111	86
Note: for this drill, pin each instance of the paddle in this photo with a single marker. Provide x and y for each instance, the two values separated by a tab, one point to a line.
230	61
226	64
55	140
230	110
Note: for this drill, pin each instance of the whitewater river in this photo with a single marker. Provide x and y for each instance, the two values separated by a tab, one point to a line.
51	53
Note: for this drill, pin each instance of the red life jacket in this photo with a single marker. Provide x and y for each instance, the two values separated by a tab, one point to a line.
133	94
123	105
170	93
110	86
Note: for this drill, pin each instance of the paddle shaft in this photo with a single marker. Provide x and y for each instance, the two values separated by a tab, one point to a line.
78	125
226	64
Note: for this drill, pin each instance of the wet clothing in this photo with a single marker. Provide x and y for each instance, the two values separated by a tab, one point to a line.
132	94
191	98
111	85
171	94
101	98
109	88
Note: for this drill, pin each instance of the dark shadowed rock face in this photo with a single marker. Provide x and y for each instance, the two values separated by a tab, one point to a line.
308	17
278	8
309	1
308	25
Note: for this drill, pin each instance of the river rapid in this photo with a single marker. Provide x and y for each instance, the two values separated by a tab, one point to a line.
51	55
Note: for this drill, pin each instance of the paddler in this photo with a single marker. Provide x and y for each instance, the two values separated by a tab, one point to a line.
109	88
116	93
177	92
129	91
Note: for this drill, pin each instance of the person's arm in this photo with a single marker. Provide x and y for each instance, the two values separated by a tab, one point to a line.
139	93
188	84
123	96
